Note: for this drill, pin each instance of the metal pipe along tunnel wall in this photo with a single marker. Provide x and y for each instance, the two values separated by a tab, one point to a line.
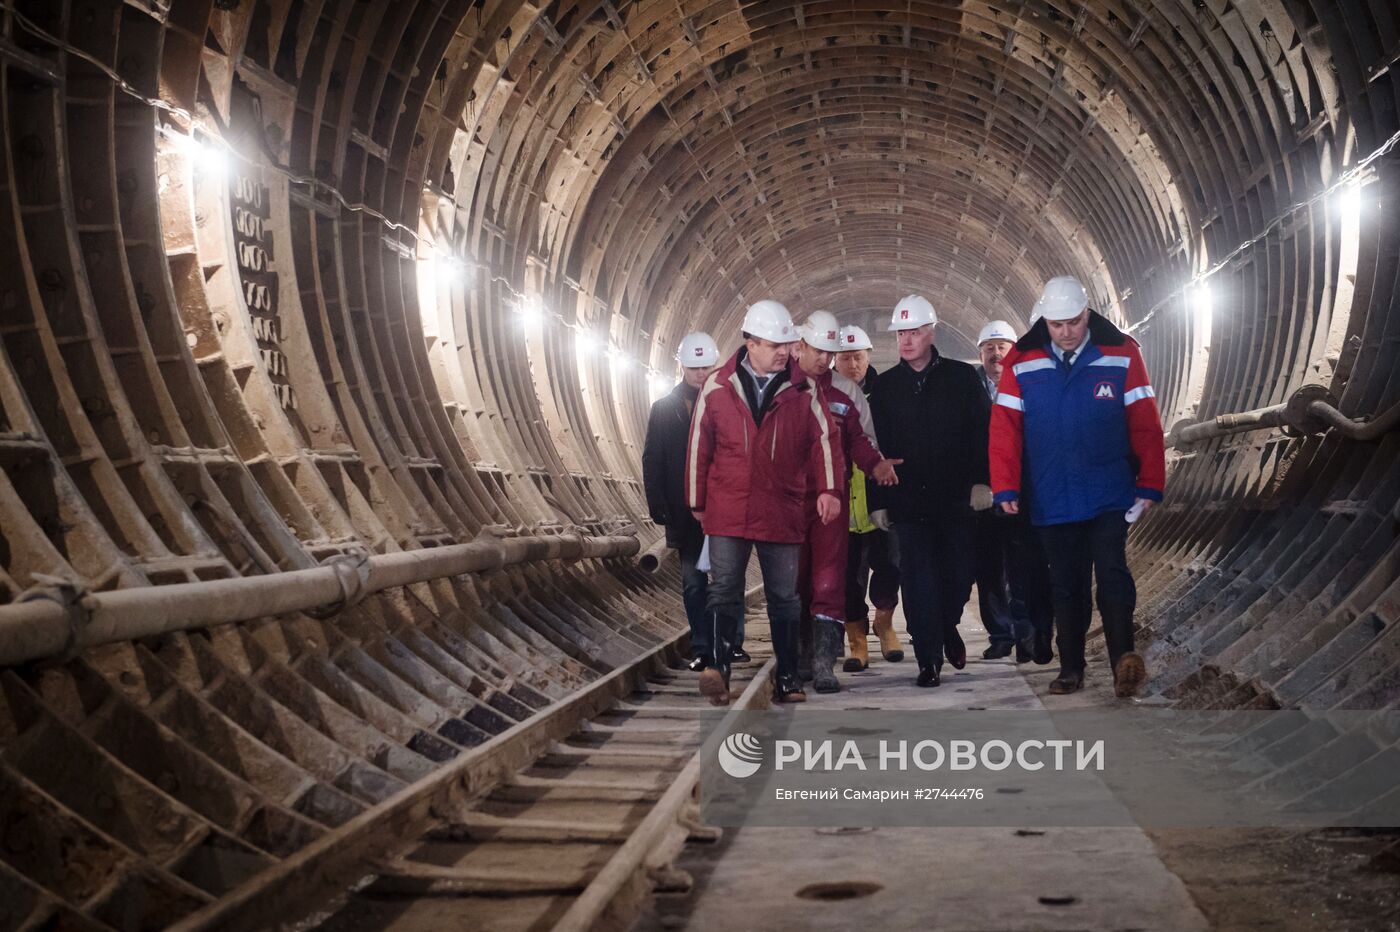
291	284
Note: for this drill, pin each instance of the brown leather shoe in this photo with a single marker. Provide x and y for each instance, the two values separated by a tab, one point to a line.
713	687
796	695
860	651
1129	675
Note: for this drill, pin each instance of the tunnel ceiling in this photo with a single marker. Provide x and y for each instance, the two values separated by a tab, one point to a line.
300	275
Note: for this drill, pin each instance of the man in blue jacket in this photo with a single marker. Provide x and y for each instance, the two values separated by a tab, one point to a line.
1075	398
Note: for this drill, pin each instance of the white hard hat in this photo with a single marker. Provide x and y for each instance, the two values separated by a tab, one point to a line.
821	331
698	351
996	330
1063	298
854	338
911	313
769	320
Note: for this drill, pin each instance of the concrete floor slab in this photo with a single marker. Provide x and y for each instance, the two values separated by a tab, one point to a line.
932	878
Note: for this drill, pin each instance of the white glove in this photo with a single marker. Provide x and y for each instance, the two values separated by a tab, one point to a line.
981	497
881	519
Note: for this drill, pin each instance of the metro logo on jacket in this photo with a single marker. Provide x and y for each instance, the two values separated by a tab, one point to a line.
1092	436
754	480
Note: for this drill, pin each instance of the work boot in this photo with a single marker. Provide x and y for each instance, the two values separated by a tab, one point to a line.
884	630
1025	649
1067	682
856	635
996	652
928	676
1129	675
804	649
827	635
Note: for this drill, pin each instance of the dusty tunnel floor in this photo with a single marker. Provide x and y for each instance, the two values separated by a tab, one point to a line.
1023	879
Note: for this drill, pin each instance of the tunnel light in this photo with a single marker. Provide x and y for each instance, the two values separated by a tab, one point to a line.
584	343
1350	201
206	157
660	385
213	161
622	361
532	309
452	271
1201	300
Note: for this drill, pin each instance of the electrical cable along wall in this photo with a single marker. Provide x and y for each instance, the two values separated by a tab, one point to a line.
317	283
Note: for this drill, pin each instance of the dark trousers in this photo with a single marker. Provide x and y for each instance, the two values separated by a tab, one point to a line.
871	563
1029	576
729	561
695	587
993	535
1077	552
935	577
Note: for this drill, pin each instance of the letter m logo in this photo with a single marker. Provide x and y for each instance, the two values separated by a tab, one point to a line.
1104	390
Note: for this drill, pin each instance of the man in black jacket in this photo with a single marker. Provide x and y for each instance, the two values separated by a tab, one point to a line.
931	412
663	473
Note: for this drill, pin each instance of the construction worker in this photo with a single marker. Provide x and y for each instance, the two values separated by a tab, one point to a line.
1075	399
663	475
1008	626
931	412
822	569
870	559
760	441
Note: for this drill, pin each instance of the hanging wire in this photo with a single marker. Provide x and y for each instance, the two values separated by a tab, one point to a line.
213	135
1350	176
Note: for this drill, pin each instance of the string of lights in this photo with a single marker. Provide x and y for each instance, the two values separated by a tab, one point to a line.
214	153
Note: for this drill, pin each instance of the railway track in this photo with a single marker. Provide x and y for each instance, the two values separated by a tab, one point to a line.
568	821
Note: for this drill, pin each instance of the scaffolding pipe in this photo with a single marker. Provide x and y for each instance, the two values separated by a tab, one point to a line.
50	625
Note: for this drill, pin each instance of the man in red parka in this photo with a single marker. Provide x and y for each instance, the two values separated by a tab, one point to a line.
822	568
760	440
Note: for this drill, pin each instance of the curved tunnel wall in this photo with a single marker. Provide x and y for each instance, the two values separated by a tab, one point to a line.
452	246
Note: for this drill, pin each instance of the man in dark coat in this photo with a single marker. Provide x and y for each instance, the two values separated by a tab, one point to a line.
931	412
663	473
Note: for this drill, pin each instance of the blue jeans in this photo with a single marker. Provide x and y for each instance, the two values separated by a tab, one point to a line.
729	561
695	587
935	578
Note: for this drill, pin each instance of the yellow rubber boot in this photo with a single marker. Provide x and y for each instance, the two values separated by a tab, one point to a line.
855	639
884	630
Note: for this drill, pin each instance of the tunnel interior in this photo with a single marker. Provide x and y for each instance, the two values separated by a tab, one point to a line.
292	283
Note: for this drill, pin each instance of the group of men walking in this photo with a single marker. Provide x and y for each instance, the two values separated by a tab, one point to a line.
918	481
